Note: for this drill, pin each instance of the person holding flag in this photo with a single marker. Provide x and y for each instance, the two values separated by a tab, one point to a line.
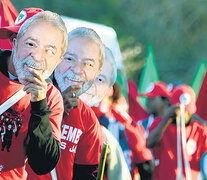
157	102
178	157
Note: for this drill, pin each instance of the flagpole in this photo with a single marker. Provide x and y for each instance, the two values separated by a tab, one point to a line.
183	133
179	156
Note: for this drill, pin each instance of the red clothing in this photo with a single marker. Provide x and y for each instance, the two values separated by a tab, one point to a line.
15	122
136	111
81	142
201	100
166	153
136	139
135	134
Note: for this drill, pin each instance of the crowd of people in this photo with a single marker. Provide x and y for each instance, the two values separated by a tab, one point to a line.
73	105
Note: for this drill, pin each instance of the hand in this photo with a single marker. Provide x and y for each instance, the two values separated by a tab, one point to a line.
172	112
36	85
70	98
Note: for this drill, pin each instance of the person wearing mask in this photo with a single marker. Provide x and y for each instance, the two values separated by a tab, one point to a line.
116	167
32	125
81	138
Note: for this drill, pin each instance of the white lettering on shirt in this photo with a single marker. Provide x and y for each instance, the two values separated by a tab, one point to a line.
63	145
73	149
64	131
78	136
70	134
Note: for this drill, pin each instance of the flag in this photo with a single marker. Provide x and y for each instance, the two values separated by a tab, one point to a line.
198	78
8	14
136	111
149	74
121	79
202	100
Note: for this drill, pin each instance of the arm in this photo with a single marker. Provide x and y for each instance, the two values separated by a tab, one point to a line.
142	156
156	135
43	150
89	146
145	169
84	171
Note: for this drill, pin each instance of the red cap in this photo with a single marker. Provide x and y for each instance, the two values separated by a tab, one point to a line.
157	89
184	94
7	31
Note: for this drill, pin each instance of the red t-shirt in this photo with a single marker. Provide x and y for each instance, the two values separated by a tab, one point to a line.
14	127
135	134
165	154
81	142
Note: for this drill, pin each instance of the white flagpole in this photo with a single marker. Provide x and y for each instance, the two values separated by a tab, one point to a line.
183	133
179	156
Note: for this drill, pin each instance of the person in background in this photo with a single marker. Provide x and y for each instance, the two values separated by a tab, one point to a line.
140	155
103	83
32	125
162	138
157	103
115	118
116	124
116	167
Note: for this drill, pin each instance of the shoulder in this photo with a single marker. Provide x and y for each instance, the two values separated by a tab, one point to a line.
52	90
54	96
88	115
85	109
82	116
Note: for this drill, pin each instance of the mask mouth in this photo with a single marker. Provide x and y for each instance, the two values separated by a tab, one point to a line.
73	78
34	65
73	82
68	79
85	87
89	93
29	68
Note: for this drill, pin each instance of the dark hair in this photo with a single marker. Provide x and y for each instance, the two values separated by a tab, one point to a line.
117	92
166	99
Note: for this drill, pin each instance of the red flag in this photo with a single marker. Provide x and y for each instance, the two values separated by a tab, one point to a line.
8	14
202	100
136	111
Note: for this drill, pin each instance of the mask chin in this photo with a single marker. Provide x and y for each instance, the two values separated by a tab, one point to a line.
93	101
84	88
90	101
85	98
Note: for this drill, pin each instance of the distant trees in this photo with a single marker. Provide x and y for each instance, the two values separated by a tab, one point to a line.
177	30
